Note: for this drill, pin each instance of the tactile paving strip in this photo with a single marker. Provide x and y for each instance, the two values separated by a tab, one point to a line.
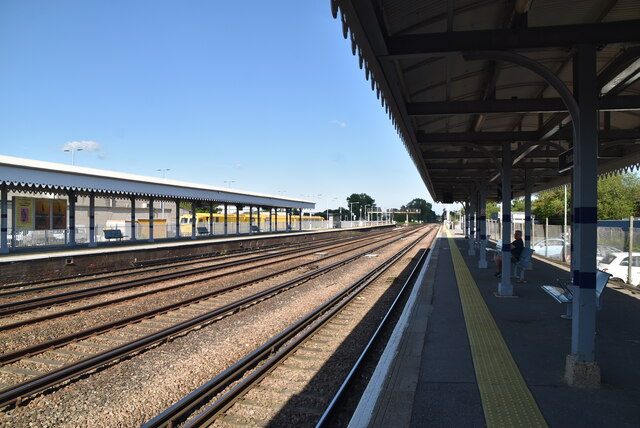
506	399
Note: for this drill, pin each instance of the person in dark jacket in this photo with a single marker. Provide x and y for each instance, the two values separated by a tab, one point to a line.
516	250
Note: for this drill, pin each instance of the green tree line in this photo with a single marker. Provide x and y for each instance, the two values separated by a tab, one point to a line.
618	198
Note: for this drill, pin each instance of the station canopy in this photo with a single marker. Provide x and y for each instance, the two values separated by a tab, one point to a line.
443	71
36	176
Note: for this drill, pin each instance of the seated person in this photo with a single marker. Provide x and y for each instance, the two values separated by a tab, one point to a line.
516	250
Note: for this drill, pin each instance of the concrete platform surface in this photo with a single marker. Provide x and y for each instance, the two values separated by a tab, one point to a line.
431	378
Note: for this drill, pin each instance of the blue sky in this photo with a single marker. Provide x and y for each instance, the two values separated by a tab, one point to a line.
256	95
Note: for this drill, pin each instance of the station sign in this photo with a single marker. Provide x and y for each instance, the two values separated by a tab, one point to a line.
565	161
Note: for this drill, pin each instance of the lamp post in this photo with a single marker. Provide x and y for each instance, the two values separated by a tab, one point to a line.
229	182
73	154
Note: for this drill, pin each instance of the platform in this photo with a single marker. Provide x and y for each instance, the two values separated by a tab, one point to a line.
500	361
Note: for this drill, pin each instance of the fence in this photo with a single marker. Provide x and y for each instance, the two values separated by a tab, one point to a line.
52	238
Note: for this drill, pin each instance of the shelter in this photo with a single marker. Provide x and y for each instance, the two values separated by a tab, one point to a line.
495	99
30	176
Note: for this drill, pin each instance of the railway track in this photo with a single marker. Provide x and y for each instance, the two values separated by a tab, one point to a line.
290	380
72	356
157	266
210	272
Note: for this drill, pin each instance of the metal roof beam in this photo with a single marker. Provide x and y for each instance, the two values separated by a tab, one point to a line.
527	38
535	154
424	138
477	137
535	105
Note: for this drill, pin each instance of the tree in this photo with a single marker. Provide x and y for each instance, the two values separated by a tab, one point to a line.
551	205
427	215
517	205
492	207
618	196
359	202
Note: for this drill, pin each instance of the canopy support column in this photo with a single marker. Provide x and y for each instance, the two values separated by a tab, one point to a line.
177	218
151	219
472	225
250	220
482	263
4	224
466	219
237	219
133	219
92	220
505	288
72	218
270	219
581	368
194	220
226	220
210	218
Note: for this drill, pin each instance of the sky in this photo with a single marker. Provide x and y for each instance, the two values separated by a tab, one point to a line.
256	95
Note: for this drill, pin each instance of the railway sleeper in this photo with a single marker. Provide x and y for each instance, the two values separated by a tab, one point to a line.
239	421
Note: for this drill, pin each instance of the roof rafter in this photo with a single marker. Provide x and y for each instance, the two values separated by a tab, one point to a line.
527	38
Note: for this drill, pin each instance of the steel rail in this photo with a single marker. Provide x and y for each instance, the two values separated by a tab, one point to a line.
16	394
186	260
56	343
70	296
53	315
409	283
312	321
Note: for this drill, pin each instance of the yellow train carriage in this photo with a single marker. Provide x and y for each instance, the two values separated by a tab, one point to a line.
202	220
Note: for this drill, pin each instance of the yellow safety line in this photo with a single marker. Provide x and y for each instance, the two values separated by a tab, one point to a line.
506	399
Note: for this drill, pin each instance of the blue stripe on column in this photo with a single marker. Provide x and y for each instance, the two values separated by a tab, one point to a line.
584	279
483	237
506	247
483	217
585	215
506	218
527	237
527	218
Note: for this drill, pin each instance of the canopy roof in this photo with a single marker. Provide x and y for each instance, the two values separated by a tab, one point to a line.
441	69
32	175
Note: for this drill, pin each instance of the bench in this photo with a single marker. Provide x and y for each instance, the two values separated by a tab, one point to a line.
113	234
563	294
523	263
203	230
255	229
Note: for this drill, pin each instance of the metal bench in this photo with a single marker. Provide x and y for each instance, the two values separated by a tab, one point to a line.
113	234
563	293
523	263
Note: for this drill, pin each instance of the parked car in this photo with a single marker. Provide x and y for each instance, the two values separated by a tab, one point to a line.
552	248
604	250
617	264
